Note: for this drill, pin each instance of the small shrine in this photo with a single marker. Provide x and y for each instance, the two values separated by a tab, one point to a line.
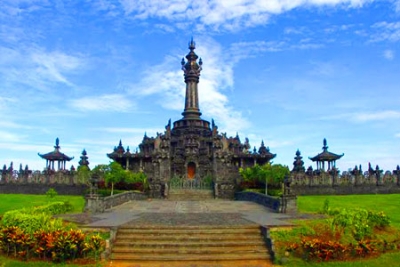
191	150
56	156
326	156
84	159
298	164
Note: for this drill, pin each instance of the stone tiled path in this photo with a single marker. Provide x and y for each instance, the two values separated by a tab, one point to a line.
213	212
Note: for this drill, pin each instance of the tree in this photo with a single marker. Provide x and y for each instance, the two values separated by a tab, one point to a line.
114	174
100	171
84	174
273	174
268	174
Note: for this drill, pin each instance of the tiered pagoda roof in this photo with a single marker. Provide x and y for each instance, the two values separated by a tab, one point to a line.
56	155
325	155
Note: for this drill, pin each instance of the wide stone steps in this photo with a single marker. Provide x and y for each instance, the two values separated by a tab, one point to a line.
190	194
189	244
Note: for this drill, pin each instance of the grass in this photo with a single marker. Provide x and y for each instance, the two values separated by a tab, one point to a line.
385	260
18	201
313	204
387	203
8	262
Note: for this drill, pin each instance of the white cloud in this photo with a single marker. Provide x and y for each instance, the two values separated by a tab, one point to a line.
376	116
366	116
53	65
36	68
9	137
215	14
111	102
397	5
386	31
388	54
215	78
397	135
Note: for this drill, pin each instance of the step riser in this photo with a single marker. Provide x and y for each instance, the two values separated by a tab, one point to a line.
168	244
173	238
253	256
188	232
183	250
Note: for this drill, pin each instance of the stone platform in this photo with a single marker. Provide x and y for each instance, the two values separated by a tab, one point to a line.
161	212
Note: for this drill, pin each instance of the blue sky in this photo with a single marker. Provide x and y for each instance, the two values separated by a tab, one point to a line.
287	72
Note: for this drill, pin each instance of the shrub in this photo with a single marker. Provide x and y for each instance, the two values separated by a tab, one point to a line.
51	193
31	223
57	246
53	208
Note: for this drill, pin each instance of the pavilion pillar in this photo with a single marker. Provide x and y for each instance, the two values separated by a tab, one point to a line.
127	164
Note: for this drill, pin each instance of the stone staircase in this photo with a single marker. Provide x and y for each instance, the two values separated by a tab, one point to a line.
190	194
190	245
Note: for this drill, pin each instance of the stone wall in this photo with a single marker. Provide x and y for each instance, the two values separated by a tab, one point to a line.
41	189
345	190
348	183
267	201
98	204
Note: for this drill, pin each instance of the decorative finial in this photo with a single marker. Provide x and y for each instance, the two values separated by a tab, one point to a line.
120	143
325	147
298	152
57	146
192	44
84	152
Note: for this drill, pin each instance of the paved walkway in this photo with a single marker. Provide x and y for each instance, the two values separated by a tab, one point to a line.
164	212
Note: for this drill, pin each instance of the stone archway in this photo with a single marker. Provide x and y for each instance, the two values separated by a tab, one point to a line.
191	170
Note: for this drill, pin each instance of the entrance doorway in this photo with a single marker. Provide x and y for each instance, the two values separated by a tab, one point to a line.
191	170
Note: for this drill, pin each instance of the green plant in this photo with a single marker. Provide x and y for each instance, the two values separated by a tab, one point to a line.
114	173
57	245
53	208
31	223
51	193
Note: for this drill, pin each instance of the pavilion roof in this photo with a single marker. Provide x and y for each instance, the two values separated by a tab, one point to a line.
325	155
56	155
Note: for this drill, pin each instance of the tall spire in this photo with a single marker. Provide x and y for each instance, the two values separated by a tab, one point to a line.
191	71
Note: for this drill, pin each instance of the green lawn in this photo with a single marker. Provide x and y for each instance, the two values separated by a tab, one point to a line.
18	201
386	203
385	260
7	262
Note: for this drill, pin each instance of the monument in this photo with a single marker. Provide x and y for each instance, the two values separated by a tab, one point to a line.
191	150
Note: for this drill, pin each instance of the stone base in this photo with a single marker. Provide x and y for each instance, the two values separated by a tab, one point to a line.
288	204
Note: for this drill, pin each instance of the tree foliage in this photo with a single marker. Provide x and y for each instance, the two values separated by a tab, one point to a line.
114	173
272	173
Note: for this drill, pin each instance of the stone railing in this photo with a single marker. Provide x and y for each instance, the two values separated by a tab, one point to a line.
267	201
282	204
97	204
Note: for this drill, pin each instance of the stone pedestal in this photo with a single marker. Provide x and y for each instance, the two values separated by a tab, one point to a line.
288	204
93	203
